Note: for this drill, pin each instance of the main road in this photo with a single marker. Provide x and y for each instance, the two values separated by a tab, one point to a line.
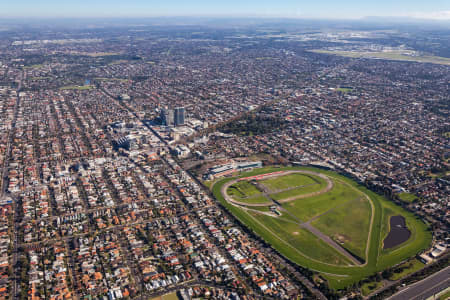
425	288
3	186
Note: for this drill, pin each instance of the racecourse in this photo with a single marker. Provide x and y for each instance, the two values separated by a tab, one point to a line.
336	230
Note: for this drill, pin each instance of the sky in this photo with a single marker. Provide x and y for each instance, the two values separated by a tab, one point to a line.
322	9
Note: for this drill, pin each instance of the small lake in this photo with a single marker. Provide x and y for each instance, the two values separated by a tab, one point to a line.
399	232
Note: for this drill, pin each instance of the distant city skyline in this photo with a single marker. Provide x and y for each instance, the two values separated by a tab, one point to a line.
325	9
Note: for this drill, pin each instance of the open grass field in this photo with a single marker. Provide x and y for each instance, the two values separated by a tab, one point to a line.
297	192
261	208
242	189
255	200
391	55
344	90
301	239
307	208
77	87
37	66
313	184
351	232
407	197
348	213
289	181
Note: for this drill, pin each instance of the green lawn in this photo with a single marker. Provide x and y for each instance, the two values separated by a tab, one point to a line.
407	197
242	189
208	183
260	208
254	200
307	208
264	170
37	66
302	239
289	181
285	216
338	277
77	87
299	191
406	269
344	90
349	225
369	287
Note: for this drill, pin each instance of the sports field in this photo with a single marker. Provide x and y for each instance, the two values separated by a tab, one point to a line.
321	220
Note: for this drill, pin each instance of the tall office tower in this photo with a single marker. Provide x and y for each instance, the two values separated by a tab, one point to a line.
167	116
179	116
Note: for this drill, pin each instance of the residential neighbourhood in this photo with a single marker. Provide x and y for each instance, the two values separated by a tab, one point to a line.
111	145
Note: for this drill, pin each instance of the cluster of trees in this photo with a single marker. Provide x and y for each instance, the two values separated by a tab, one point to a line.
254	124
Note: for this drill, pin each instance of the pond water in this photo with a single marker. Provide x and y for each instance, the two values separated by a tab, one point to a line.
399	232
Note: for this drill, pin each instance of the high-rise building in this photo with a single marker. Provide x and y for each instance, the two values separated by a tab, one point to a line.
170	117
179	116
167	116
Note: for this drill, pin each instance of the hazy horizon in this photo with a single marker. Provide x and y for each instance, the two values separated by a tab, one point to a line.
325	9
